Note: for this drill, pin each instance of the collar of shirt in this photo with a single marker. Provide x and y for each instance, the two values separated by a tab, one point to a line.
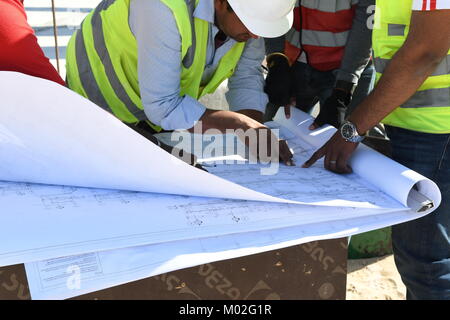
205	10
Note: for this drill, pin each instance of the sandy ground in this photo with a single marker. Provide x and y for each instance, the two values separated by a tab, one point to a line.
374	279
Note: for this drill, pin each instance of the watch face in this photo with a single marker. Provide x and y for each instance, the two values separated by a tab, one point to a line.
347	131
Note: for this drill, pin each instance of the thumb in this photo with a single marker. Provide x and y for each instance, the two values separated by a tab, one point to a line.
287	112
315	125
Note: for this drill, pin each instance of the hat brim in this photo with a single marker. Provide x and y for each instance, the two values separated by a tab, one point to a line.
266	29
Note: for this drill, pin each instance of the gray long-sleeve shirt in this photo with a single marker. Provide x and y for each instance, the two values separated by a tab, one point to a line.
358	48
159	66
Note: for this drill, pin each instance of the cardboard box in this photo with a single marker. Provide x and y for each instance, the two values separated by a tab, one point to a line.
313	271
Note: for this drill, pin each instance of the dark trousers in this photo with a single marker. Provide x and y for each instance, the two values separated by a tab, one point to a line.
422	247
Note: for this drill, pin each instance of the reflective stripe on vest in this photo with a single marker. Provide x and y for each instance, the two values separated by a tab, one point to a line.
325	27
103	66
90	87
95	72
396	30
102	51
188	59
428	110
324	38
329	6
442	69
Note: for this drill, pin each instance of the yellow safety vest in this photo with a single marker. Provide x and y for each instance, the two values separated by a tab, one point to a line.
428	110
101	60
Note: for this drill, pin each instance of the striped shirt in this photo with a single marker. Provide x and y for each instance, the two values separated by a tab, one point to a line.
428	5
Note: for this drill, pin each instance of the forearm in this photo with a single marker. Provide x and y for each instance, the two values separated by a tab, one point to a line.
423	50
222	120
254	114
358	49
401	79
246	86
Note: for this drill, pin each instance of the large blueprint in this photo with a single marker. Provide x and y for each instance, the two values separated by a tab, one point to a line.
75	180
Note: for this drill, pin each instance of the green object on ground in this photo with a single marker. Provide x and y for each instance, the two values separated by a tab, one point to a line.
370	244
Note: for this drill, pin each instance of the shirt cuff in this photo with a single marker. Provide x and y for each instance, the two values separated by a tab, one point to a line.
347	76
183	116
243	99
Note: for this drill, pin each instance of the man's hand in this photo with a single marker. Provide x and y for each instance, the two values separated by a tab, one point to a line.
223	120
279	80
336	151
266	147
285	153
334	109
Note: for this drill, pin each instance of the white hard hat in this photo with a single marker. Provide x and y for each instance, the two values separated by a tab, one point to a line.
265	18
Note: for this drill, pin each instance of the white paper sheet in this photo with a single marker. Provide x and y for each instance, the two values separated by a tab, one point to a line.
60	221
52	135
71	276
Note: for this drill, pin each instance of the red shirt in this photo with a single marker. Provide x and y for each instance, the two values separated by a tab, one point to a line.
19	49
428	5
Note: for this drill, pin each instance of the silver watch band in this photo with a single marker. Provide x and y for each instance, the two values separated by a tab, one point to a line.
349	132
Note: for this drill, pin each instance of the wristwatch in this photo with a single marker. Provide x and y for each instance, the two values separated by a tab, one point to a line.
349	133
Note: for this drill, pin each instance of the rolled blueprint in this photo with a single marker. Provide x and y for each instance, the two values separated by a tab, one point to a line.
403	184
